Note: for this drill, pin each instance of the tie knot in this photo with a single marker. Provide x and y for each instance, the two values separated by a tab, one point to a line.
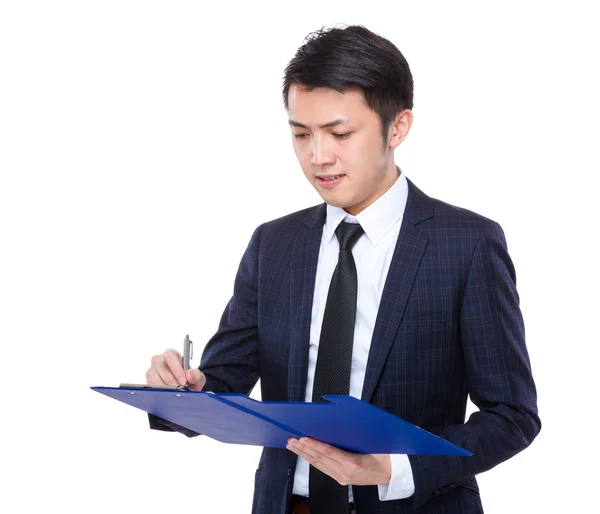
348	234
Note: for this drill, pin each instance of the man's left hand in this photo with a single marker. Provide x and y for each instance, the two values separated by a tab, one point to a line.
345	467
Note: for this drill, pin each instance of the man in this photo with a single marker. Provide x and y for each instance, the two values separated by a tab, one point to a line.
382	293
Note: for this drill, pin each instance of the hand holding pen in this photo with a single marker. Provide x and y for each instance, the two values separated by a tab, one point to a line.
171	368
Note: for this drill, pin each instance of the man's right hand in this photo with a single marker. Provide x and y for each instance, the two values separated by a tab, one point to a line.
166	369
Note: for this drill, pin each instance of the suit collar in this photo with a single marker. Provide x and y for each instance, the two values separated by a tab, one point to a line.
378	218
419	207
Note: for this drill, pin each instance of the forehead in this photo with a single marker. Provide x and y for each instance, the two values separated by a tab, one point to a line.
323	104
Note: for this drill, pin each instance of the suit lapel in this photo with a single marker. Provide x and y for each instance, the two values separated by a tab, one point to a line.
406	260
303	274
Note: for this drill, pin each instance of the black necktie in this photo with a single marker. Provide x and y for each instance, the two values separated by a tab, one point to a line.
334	360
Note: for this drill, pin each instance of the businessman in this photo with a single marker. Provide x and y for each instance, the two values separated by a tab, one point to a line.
380	292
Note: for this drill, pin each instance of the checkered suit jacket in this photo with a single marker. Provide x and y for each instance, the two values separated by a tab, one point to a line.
448	326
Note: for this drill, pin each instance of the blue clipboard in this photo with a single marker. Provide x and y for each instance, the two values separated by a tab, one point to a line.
342	421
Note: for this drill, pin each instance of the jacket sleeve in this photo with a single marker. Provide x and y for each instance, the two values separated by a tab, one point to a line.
230	358
498	374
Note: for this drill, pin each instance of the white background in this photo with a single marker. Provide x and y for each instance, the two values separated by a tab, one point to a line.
141	142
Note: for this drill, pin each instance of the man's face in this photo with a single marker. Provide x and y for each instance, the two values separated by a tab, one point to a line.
337	139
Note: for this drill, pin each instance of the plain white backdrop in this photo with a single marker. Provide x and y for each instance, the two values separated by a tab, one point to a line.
141	142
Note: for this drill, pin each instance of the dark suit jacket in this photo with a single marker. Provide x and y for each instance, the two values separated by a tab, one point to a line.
448	326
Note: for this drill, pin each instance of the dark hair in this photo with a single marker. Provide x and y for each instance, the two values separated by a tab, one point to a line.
354	57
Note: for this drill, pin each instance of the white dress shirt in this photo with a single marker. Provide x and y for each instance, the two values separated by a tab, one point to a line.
372	254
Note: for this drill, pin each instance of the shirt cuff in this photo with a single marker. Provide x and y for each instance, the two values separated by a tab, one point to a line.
402	484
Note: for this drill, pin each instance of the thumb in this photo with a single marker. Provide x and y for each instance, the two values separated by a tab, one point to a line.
195	379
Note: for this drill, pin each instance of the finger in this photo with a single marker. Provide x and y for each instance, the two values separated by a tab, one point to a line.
161	374
307	453
166	376
172	359
195	379
153	378
163	371
323	451
325	465
331	451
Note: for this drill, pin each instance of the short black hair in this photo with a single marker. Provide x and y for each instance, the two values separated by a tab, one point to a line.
354	58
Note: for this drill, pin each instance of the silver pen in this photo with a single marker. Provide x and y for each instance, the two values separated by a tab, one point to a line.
188	348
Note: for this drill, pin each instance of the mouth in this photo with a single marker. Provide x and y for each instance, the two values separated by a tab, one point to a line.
330	180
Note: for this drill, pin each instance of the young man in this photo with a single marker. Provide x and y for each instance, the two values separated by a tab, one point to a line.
382	293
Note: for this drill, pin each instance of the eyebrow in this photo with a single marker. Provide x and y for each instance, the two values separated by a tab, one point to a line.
338	121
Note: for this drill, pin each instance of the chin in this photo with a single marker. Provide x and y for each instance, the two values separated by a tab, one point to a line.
337	202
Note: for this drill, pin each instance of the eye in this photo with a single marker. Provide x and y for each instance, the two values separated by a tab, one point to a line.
300	136
345	135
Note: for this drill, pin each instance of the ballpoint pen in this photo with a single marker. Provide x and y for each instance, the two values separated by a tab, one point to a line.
187	355
185	362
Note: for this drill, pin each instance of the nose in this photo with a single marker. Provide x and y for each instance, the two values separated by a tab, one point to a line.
320	153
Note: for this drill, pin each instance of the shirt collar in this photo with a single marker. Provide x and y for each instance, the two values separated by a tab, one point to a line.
378	218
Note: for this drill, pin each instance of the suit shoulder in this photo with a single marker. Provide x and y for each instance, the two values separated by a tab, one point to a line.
290	222
276	237
452	215
279	233
454	230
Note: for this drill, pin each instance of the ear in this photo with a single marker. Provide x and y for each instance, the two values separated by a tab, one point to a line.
400	127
